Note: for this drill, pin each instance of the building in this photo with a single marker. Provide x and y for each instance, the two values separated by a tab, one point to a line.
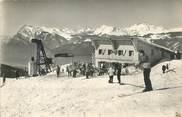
121	49
10	71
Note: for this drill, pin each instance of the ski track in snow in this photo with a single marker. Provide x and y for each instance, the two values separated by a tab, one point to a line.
47	96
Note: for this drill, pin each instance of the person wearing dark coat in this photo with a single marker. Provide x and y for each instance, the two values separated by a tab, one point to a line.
167	67
84	69
17	74
58	70
164	69
119	74
87	71
4	78
74	73
68	69
144	61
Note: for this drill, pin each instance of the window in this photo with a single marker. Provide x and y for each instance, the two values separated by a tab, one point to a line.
100	51
131	53
120	52
109	52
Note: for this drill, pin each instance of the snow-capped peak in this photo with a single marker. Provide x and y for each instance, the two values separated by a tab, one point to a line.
85	30
144	29
32	31
27	31
68	31
134	30
104	29
141	29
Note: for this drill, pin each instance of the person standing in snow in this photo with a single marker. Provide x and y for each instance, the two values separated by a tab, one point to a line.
68	70
124	70
4	78
111	74
167	67
84	69
163	69
58	70
87	71
74	71
17	74
118	72
144	62
91	70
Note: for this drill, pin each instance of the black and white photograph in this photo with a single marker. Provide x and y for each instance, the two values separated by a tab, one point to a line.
90	58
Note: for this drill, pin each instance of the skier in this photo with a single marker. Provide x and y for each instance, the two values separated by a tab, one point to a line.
111	74
144	61
58	70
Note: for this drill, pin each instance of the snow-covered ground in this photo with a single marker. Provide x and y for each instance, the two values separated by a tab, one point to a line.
49	96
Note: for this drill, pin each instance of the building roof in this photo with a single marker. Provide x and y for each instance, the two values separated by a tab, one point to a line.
156	45
112	37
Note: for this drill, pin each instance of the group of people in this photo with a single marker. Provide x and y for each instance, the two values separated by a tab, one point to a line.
117	70
87	69
164	68
84	69
111	73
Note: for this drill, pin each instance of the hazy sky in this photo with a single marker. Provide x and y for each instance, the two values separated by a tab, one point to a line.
93	13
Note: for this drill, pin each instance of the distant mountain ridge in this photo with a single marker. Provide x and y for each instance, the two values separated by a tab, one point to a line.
142	29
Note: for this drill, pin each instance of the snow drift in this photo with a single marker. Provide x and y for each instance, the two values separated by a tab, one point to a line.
79	97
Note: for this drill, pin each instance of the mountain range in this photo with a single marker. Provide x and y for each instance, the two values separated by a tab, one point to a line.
135	30
61	40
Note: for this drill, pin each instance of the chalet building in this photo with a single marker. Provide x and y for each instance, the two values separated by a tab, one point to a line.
117	49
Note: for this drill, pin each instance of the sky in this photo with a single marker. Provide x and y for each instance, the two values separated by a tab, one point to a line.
92	13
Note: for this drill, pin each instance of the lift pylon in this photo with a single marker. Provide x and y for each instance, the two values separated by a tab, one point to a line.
42	61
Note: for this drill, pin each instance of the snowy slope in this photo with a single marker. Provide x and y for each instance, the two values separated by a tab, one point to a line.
76	97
